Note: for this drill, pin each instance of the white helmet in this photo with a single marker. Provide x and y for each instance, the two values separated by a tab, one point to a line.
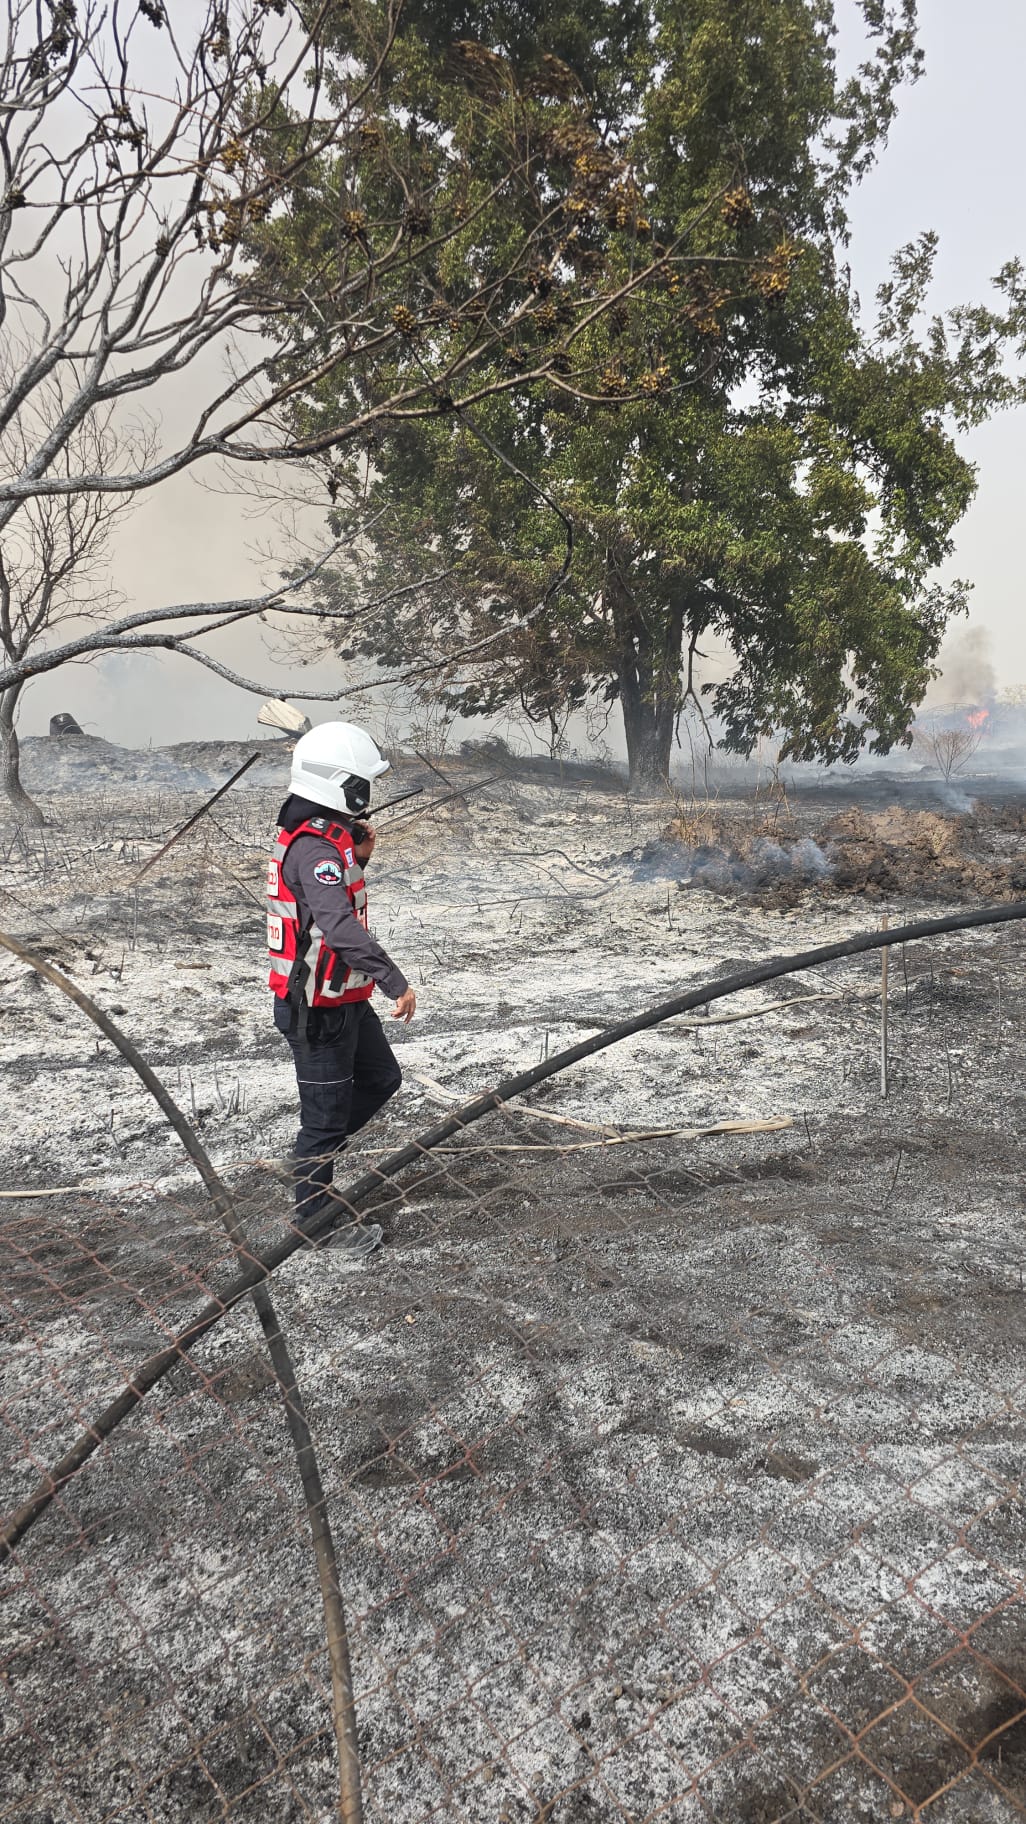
335	765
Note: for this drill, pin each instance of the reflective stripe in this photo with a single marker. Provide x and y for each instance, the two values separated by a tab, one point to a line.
353	980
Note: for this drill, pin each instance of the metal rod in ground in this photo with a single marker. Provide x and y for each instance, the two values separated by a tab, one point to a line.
204	808
352	1198
884	959
435	802
415	791
432	768
350	1806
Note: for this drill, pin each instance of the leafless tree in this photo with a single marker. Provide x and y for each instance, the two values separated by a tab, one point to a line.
130	169
948	747
54	558
137	151
143	152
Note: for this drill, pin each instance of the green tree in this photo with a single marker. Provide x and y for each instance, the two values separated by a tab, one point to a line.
733	451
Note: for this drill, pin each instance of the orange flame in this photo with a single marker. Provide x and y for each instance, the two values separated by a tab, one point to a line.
979	718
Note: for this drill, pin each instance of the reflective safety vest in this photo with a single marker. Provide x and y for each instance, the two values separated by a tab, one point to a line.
304	968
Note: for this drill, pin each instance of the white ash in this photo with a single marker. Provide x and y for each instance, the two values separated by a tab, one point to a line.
655	1472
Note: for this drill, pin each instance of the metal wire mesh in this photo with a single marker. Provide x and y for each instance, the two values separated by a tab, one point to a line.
670	1479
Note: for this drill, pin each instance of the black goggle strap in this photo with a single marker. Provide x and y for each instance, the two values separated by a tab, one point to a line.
357	794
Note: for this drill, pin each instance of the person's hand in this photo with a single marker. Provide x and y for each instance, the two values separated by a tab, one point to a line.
364	849
405	1007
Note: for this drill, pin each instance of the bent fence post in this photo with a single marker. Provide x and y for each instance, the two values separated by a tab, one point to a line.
344	1715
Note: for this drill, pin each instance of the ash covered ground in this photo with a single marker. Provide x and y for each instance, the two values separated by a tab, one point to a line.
678	1477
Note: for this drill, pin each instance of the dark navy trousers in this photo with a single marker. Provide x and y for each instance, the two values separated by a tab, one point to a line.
346	1071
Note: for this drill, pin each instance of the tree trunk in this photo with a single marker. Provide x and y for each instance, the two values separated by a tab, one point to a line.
648	728
10	769
648	676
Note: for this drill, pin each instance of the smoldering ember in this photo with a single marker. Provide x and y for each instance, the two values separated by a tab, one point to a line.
672	1444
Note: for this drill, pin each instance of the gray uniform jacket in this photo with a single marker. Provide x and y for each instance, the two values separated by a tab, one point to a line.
327	904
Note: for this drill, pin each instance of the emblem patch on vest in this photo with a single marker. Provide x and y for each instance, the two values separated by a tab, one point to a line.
272	879
328	873
275	933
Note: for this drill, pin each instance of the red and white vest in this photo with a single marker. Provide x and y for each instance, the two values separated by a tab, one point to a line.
303	966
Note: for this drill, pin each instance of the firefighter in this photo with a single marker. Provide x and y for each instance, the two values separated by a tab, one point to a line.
325	964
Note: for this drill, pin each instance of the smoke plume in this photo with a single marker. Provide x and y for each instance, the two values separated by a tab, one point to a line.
967	672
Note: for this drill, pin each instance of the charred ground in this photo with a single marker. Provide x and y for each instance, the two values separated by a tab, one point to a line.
676	1478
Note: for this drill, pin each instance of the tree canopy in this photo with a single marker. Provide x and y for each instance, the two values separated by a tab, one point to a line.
728	445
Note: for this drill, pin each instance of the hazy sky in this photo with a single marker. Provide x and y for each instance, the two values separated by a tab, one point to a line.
953	164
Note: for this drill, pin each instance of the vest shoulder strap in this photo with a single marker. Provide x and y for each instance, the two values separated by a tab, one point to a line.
335	833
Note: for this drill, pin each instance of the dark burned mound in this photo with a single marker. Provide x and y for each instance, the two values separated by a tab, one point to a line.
926	854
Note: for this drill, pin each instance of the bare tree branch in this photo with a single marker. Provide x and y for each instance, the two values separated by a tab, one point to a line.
54	563
120	636
177	145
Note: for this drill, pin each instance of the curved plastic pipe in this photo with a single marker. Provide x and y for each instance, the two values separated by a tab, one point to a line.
356	1194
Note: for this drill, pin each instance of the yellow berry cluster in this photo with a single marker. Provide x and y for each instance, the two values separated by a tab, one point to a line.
772	280
236	214
657	380
405	321
737	210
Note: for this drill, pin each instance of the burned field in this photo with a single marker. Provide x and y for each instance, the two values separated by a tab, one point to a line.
674	1473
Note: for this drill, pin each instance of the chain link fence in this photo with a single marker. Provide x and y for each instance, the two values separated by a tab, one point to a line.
671	1475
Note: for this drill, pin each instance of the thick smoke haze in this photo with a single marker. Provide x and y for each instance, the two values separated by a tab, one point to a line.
968	674
182	543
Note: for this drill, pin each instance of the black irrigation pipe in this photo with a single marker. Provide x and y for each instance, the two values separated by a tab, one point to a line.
357	1194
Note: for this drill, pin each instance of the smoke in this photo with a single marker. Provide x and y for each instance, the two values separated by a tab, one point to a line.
967	671
765	864
952	797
